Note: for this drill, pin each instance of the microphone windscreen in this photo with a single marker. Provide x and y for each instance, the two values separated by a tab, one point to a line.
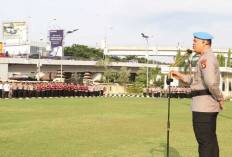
189	51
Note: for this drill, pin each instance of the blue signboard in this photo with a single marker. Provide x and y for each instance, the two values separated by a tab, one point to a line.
56	39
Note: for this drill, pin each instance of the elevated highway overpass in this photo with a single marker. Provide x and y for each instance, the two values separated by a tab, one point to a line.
16	65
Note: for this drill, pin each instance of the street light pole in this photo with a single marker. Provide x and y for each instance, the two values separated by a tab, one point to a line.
146	37
105	53
48	26
40	57
28	34
61	65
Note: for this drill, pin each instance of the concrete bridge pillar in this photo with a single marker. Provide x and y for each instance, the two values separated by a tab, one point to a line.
4	71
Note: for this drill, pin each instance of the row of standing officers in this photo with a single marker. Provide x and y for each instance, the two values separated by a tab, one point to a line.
175	92
25	89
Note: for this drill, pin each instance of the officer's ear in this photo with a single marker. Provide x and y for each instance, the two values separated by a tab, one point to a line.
205	43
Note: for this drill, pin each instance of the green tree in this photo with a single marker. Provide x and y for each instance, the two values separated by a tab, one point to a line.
159	82
135	88
178	56
141	77
131	57
112	78
153	75
228	59
219	59
142	60
154	72
82	52
223	62
124	76
108	74
191	63
150	61
106	63
115	58
182	63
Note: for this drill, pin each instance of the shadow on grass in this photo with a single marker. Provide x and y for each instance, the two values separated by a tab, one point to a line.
224	116
163	149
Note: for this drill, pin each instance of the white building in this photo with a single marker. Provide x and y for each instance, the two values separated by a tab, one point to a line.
25	49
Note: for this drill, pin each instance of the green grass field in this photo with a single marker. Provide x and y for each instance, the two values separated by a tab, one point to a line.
102	127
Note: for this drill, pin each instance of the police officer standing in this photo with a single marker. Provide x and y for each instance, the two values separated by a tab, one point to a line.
91	91
144	91
25	90
6	88
150	91
30	94
14	88
102	90
87	90
1	87
207	98
20	90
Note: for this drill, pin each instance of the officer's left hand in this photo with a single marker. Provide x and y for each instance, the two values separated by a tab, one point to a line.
221	103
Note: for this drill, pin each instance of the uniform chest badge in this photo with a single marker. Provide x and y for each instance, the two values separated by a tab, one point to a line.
203	63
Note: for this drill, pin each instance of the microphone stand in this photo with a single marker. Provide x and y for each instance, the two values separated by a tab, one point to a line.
168	81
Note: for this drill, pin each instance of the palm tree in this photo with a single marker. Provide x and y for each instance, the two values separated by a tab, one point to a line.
192	61
141	77
154	72
124	76
228	59
106	63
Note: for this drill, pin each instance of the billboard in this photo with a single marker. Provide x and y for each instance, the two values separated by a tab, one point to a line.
14	30
56	39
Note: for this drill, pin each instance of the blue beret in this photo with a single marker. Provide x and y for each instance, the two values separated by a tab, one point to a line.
203	35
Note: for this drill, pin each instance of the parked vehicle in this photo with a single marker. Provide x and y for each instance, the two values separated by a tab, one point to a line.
54	57
44	57
24	55
34	56
70	58
94	59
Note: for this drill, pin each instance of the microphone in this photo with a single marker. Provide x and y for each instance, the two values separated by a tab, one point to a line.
188	52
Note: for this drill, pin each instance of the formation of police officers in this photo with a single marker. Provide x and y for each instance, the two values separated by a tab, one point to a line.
52	89
29	90
175	92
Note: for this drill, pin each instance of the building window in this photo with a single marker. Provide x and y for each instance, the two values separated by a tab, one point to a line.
230	86
223	86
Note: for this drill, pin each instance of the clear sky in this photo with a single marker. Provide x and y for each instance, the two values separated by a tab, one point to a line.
122	21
